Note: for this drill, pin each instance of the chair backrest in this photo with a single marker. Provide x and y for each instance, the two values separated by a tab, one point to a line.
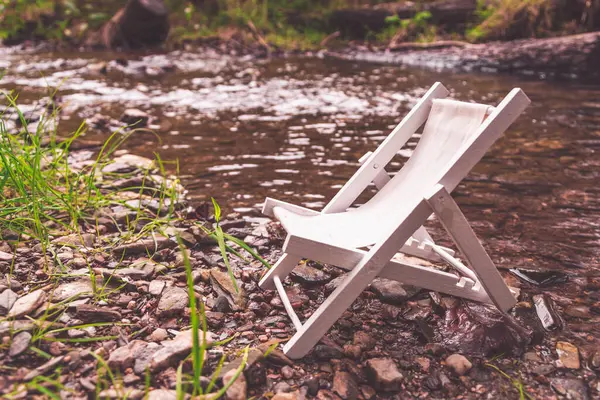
451	125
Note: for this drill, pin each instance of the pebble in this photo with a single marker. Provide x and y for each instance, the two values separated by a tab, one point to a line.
27	304
175	349
287	372
309	275
162	394
224	286
568	355
345	386
172	302
4	256
156	287
76	240
364	340
238	389
384	374
459	363
20	343
158	335
285	396
391	291
571	388
124	357
7	299
133	116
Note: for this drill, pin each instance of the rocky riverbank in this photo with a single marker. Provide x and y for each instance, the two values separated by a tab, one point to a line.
104	313
571	57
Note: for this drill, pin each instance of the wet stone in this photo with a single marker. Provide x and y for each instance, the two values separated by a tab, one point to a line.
172	302
384	374
19	344
459	364
574	389
7	299
391	291
568	355
133	116
345	386
308	275
27	304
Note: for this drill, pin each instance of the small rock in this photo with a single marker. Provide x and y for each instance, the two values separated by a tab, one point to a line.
70	290
573	389
352	351
162	394
122	393
285	396
133	116
579	312
325	394
364	340
531	356
7	299
44	368
156	287
327	352
172	302
125	356
391	291
287	372
4	256
143	357
221	305
384	374
568	355
309	275
76	240
238	389
333	284
158	335
175	349
345	386
27	304
20	343
459	363
254	371
147	246
223	285
90	313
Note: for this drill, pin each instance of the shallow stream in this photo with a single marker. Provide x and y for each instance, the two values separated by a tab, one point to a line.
243	129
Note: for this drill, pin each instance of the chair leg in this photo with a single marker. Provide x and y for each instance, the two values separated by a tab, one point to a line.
461	233
282	268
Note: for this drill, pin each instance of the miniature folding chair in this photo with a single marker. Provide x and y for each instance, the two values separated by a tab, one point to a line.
455	137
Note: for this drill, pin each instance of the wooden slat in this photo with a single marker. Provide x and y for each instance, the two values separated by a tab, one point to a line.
416	275
286	303
459	229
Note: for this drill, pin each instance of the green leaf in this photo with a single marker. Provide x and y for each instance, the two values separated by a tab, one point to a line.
223	248
217	209
245	246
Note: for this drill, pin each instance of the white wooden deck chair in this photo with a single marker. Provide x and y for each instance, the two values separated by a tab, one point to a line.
455	137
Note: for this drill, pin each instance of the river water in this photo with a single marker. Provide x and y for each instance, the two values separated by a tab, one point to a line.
243	129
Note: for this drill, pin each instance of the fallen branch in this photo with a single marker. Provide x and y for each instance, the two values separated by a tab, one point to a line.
259	37
428	46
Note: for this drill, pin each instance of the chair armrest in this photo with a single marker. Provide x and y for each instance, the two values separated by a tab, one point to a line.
272	203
